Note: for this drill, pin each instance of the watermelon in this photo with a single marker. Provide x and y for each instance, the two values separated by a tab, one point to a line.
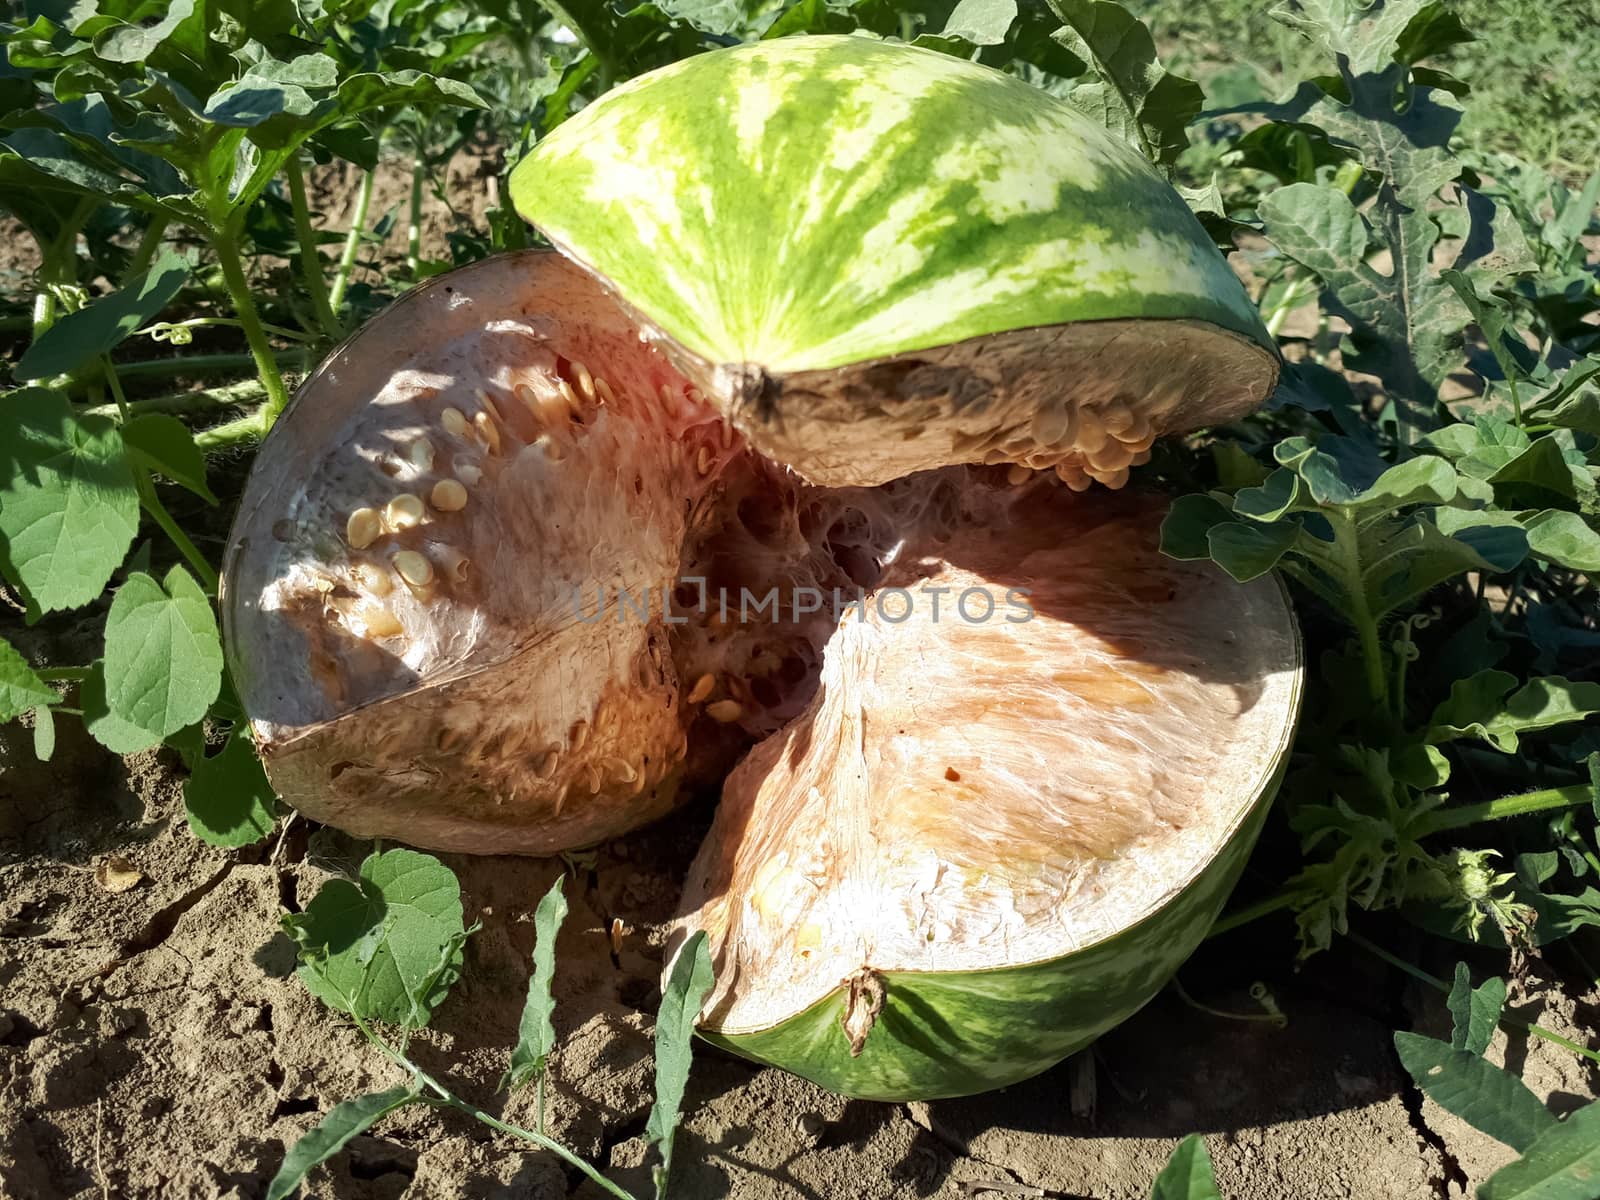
797	472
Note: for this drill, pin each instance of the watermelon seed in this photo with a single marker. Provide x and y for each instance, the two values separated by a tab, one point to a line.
725	712
363	528
454	422
405	511
488	431
448	495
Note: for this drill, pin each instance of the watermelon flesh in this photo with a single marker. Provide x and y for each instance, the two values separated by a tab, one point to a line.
832	526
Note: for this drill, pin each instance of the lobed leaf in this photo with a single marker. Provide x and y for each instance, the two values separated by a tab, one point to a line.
536	1034
1483	706
688	981
1474	1089
372	947
68	508
346	1120
1475	1011
163	663
1133	96
227	797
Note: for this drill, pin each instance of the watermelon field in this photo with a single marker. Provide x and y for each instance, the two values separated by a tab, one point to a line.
731	598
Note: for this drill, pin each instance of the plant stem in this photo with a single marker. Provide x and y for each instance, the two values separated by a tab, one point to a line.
352	242
1422	976
151	503
1506	806
224	243
414	229
64	674
198	365
1253	912
244	391
239	432
449	1098
149	243
1347	552
310	259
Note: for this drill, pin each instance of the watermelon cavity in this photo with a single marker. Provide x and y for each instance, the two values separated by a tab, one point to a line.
539	551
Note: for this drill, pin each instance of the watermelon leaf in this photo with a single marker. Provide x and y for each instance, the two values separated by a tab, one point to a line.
1474	1089
1188	1174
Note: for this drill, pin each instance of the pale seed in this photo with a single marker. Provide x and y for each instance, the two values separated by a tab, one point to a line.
607	396
488	431
454	422
448	495
546	766
584	381
421	454
414	568
622	769
405	511
703	687
703	460
725	711
363	528
1018	474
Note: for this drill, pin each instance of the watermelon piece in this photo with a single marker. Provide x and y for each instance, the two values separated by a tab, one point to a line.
879	259
836	332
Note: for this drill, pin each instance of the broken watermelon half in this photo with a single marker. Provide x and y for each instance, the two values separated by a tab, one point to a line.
798	468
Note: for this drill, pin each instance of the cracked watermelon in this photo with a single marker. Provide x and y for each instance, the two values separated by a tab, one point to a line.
797	477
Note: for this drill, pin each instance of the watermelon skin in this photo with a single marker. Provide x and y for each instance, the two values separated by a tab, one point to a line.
812	202
959	1033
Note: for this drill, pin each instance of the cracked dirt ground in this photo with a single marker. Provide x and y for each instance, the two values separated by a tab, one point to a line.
155	1043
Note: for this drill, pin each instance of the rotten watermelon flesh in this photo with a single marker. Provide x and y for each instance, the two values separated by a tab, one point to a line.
505	579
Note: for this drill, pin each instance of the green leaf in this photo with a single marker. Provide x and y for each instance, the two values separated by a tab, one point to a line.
80	336
163	654
1544	466
1133	95
373	947
1474	1089
1479	707
1421	480
1249	551
346	1120
107	728
1476	1011
227	797
981	22
1564	538
1369	34
536	1035
1418	556
1188	1174
1188	521
68	508
1563	1164
44	733
20	688
687	984
163	445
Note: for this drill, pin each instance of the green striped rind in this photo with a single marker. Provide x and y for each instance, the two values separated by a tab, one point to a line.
810	202
959	1033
